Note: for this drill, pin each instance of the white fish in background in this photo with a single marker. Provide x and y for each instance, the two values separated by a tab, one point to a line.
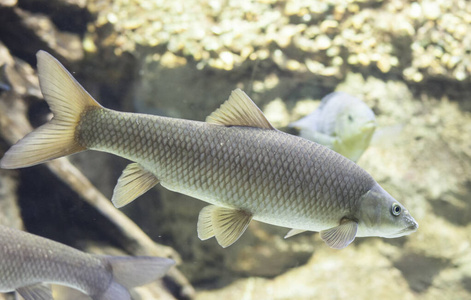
342	122
27	261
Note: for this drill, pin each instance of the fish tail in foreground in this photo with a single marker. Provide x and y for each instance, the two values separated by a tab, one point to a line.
126	273
67	100
26	269
130	272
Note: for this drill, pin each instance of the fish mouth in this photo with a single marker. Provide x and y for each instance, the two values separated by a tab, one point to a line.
369	125
411	228
407	230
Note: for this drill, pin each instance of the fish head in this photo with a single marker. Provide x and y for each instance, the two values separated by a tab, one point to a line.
354	129
381	215
355	120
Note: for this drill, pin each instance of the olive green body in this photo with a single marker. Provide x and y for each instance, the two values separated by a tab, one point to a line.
281	179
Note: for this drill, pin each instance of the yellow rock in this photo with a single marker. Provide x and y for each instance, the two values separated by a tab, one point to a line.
171	61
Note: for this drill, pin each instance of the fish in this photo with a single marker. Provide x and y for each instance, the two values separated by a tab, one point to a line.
342	122
28	263
236	161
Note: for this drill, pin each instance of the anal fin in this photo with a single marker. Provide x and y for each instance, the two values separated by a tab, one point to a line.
341	236
226	224
134	182
36	292
293	232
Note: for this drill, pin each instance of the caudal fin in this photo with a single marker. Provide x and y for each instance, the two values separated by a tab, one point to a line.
129	272
67	100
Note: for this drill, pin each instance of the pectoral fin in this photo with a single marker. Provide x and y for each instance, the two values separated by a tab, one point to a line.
36	292
134	182
341	236
293	232
226	224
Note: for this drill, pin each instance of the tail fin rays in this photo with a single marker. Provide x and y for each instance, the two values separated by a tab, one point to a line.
49	141
129	272
67	100
65	96
138	270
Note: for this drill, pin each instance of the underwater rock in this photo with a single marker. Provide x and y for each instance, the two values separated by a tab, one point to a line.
68	15
9	208
8	2
61	5
17	78
392	39
328	275
19	27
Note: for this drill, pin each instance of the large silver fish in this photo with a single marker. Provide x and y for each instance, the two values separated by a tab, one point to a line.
236	161
342	122
27	261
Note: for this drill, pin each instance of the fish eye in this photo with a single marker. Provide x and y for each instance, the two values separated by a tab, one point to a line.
396	209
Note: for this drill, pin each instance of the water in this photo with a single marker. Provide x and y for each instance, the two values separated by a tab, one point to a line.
409	62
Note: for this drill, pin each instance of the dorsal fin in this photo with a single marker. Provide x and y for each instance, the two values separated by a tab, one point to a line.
239	110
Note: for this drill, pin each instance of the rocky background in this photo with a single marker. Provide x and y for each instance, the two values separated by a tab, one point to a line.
410	61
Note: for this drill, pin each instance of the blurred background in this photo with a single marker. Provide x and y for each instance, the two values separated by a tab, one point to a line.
409	61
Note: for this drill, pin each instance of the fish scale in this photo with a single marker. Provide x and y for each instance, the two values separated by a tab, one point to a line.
53	262
263	163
